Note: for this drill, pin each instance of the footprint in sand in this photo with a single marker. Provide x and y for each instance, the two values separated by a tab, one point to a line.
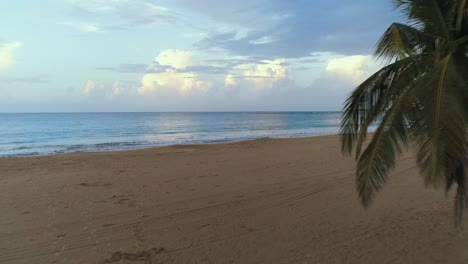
125	198
145	256
95	184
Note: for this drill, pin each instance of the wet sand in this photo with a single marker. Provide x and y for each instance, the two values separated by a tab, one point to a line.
261	201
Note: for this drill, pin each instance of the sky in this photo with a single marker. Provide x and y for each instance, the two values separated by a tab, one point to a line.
186	55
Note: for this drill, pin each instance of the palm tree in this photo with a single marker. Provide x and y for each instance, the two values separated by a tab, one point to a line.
419	101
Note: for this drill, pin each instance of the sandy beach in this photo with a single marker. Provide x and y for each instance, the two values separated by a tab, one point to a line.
261	201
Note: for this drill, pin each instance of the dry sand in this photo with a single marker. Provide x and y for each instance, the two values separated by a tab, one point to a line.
262	201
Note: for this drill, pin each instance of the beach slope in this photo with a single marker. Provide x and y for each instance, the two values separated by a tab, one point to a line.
261	201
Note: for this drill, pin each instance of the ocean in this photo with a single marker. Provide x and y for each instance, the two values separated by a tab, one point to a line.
54	133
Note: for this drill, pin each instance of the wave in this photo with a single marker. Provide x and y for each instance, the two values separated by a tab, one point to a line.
38	150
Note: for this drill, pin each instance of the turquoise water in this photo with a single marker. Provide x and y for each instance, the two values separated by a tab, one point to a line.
40	134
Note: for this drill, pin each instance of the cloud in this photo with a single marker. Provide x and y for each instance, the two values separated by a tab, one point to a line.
258	28
185	77
89	87
116	88
325	94
181	61
349	67
240	83
120	14
355	68
156	67
182	83
176	78
178	59
230	81
109	89
262	40
90	28
207	69
264	74
6	54
84	27
242	14
129	68
297	28
23	80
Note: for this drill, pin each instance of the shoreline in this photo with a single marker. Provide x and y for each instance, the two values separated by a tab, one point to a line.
227	141
259	201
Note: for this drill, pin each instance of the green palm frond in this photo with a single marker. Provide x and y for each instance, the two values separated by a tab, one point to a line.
400	41
439	129
392	134
362	108
428	15
379	157
373	97
461	14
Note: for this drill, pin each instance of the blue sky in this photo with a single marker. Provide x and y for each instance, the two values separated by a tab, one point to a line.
186	55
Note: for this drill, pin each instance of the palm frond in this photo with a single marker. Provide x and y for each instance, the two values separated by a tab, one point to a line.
379	157
457	14
461	14
400	41
392	135
371	99
359	108
438	126
428	15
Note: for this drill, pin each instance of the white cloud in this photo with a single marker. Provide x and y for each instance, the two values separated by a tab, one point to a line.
230	80
116	89
91	28
156	9
89	87
121	14
113	6
354	68
262	40
108	89
265	73
98	6
183	83
178	59
6	54
84	27
196	35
